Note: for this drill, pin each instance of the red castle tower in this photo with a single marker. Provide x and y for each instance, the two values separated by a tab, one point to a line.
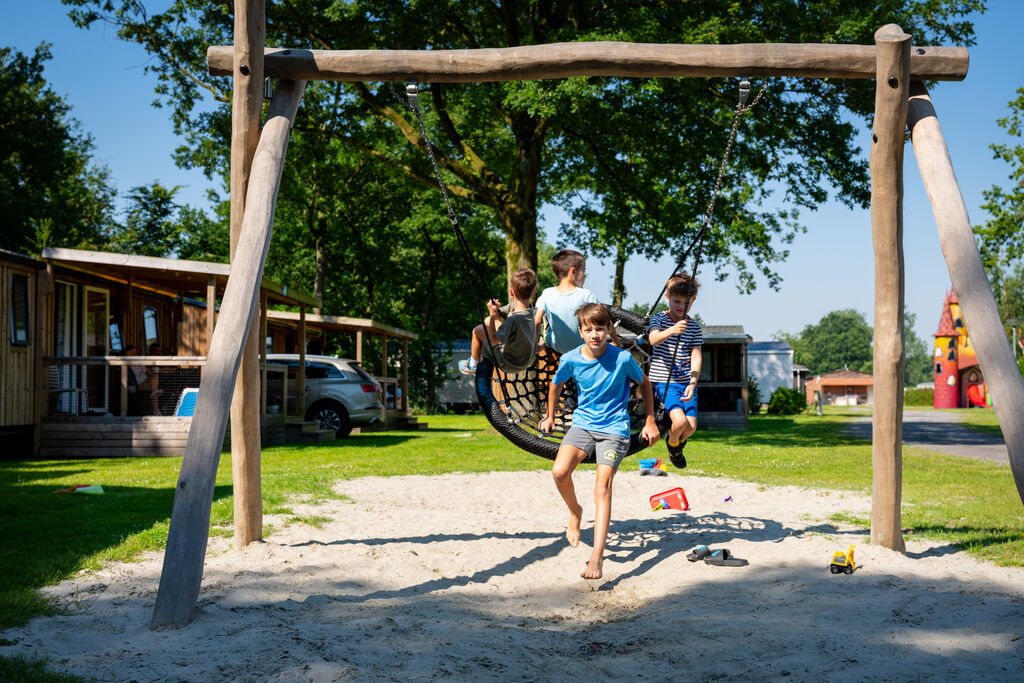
947	390
959	382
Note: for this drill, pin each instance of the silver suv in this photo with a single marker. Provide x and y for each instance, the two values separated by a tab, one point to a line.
339	393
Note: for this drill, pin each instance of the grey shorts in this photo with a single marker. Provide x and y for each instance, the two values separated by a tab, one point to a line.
610	448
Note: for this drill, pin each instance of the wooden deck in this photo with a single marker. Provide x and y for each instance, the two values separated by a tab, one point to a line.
112	437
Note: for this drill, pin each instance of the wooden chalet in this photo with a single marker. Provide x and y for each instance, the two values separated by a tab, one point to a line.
722	391
70	389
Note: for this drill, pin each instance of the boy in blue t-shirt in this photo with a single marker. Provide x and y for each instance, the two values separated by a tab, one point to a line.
557	306
680	399
600	423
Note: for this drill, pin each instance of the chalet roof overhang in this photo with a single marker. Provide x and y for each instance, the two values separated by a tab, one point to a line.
335	323
163	275
726	334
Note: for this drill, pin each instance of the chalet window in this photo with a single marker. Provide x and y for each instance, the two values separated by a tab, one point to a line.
151	326
19	310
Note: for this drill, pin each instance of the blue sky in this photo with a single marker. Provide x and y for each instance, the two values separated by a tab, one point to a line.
830	267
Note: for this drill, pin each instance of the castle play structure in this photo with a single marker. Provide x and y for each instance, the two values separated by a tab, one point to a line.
959	380
899	70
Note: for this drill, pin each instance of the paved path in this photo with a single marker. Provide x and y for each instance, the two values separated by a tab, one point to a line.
940	431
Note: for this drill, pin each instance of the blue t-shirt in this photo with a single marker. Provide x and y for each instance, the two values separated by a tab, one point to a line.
603	389
563	331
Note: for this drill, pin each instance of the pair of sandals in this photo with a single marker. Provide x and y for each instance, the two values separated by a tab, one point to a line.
719	558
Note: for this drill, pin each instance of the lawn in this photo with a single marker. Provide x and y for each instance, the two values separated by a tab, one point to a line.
49	537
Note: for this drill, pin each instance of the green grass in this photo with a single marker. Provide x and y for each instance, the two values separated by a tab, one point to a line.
49	537
18	669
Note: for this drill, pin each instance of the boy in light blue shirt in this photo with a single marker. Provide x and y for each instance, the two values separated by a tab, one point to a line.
557	306
600	422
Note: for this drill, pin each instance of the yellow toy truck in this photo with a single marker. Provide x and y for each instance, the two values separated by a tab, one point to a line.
842	563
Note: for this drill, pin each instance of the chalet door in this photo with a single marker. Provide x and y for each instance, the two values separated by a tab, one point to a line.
96	342
64	379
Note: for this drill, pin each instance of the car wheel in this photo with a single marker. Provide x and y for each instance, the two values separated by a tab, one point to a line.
331	415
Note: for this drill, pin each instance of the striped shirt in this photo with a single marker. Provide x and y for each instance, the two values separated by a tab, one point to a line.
661	359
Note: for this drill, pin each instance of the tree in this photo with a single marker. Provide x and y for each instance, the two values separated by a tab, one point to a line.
152	225
841	339
51	194
1008	288
636	151
918	365
1002	237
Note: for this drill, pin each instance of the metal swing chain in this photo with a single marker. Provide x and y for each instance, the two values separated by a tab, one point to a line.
412	92
741	108
698	241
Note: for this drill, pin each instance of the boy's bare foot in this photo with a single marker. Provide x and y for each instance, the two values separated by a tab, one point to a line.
572	534
593	570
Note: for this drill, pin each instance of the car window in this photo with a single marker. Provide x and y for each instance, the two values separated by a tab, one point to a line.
362	373
323	371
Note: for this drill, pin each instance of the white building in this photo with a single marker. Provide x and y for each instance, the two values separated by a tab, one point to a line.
771	364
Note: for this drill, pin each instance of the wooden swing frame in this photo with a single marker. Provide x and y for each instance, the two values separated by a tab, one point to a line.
257	160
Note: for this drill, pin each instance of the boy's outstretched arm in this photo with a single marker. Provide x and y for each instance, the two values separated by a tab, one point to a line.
548	423
650	430
696	360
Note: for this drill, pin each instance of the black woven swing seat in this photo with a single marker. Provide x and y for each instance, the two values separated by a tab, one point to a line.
517	416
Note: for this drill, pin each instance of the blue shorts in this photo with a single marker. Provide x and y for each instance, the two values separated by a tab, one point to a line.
674	400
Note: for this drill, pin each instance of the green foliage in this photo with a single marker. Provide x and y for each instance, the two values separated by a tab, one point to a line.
20	668
1001	238
919	397
753	395
151	226
631	160
51	193
841	339
786	402
918	364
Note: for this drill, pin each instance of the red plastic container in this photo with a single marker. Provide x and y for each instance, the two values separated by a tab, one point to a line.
675	498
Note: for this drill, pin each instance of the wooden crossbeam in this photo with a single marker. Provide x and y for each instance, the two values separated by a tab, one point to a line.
565	60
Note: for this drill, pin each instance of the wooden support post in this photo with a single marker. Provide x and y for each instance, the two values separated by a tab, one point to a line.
182	571
43	343
211	312
405	376
124	389
892	85
246	111
967	272
300	377
263	353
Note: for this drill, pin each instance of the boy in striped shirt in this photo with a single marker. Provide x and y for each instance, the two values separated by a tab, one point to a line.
677	341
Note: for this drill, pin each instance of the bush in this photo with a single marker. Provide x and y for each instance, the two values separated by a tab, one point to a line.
919	397
787	402
753	395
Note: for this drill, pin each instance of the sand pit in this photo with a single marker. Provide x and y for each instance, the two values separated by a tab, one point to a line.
468	577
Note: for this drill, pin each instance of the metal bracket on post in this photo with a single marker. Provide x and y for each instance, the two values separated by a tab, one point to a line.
744	90
412	91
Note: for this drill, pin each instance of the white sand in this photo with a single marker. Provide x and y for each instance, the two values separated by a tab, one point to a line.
468	577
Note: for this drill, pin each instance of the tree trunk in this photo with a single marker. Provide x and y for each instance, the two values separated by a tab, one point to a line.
321	271
619	284
519	213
